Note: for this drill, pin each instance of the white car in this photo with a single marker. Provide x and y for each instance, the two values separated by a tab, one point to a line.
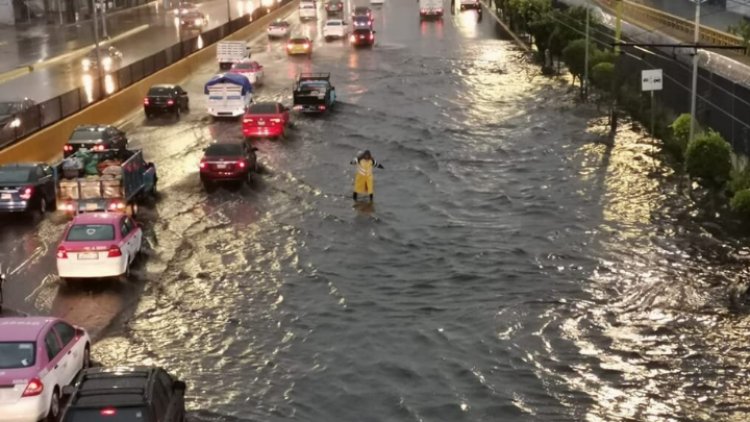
278	29
100	244
38	357
470	4
334	28
250	69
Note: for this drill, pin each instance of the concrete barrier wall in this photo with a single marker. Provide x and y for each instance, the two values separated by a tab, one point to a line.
46	145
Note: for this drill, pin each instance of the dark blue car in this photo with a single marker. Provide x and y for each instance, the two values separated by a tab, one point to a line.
27	188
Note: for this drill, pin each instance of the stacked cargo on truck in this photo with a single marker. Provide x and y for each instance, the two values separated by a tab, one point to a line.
229	95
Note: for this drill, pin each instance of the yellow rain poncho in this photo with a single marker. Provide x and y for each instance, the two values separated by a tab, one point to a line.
363	180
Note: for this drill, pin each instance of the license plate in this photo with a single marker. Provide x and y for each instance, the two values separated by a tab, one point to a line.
261	123
88	255
6	196
221	166
92	207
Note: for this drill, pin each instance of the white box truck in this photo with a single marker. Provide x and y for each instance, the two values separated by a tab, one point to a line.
430	9
308	10
229	95
231	52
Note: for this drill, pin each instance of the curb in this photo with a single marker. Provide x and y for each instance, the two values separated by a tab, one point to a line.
21	71
518	41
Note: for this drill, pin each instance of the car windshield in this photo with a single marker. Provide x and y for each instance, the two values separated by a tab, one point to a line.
267	108
8	108
15	175
159	91
313	85
107	414
333	23
91	232
361	11
219	150
361	19
280	24
243	66
15	355
86	135
299	41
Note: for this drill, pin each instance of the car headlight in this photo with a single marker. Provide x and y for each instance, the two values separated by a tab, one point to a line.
199	21
15	123
86	63
107	62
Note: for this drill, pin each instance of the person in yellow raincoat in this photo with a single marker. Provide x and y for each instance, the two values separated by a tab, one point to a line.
363	183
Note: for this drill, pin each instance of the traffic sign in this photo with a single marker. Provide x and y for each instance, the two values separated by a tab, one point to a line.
651	80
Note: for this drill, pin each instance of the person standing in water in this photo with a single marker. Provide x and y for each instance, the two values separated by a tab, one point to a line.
363	183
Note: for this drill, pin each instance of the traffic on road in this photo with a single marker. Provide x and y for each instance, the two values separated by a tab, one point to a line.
504	262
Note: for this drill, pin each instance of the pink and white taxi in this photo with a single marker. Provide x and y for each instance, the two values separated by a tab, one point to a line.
250	69
101	244
38	357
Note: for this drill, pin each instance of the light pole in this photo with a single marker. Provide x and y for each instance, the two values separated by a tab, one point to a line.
585	81
104	18
229	12
694	95
97	52
618	26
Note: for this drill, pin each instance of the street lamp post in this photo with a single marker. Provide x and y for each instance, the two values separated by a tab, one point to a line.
97	52
229	11
104	18
585	81
694	94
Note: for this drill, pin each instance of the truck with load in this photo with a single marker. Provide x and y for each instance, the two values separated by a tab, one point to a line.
94	182
231	52
313	93
229	95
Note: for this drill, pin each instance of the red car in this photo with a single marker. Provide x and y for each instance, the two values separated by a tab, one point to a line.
232	161
265	120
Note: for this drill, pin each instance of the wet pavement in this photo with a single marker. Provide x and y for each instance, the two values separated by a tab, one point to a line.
516	264
58	78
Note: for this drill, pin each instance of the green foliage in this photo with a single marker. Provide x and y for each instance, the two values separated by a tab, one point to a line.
603	76
524	12
742	30
681	131
574	56
601	56
709	157
739	178
740	202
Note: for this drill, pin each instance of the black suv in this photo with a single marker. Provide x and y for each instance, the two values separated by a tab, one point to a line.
143	394
165	98
97	138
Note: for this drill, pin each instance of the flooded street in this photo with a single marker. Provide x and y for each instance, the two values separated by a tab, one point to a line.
515	265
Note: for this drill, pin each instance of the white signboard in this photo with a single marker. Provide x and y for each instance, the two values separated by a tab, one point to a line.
651	80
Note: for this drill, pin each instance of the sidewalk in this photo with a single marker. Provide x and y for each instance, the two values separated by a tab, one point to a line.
25	45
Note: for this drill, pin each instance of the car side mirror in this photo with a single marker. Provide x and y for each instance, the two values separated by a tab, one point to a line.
179	385
68	390
80	332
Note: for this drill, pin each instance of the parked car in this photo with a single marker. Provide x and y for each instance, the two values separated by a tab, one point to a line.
233	161
27	187
39	356
278	29
334	28
250	69
299	45
127	394
97	138
265	120
362	37
166	98
17	117
99	244
110	57
193	20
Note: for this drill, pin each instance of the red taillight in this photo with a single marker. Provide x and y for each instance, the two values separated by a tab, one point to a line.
145	101
321	107
114	206
98	148
170	102
26	194
34	388
440	10
352	38
241	164
277	121
424	11
372	36
114	252
68	148
248	120
306	45
203	164
108	411
289	46
62	253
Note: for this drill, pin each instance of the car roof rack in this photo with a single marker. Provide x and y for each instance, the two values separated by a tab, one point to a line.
314	76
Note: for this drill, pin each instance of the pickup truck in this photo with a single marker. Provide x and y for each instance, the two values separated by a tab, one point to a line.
116	182
313	93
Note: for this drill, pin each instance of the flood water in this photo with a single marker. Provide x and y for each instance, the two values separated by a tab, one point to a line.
516	264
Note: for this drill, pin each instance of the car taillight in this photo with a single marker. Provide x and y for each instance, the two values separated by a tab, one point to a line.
98	148
34	388
203	164
424	10
26	194
289	46
114	252
248	120
277	121
62	253
321	107
440	10
114	206
372	36
306	45
145	101
108	411
352	38
170	102
241	164
68	148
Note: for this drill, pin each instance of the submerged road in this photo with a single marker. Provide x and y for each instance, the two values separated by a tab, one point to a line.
515	265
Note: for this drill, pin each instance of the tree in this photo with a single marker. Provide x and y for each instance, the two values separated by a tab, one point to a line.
603	77
574	56
742	30
709	157
681	131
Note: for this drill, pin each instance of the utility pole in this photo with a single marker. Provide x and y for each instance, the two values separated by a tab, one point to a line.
585	81
694	94
618	25
229	12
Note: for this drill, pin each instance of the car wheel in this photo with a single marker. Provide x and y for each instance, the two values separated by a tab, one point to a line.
177	113
42	205
54	407
86	361
187	104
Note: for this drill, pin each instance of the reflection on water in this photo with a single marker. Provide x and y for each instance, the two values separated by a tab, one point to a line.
199	41
92	90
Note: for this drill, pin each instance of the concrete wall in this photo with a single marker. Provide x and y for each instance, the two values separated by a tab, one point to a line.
7	17
46	145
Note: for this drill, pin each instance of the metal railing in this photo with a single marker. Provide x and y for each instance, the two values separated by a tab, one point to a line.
95	89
